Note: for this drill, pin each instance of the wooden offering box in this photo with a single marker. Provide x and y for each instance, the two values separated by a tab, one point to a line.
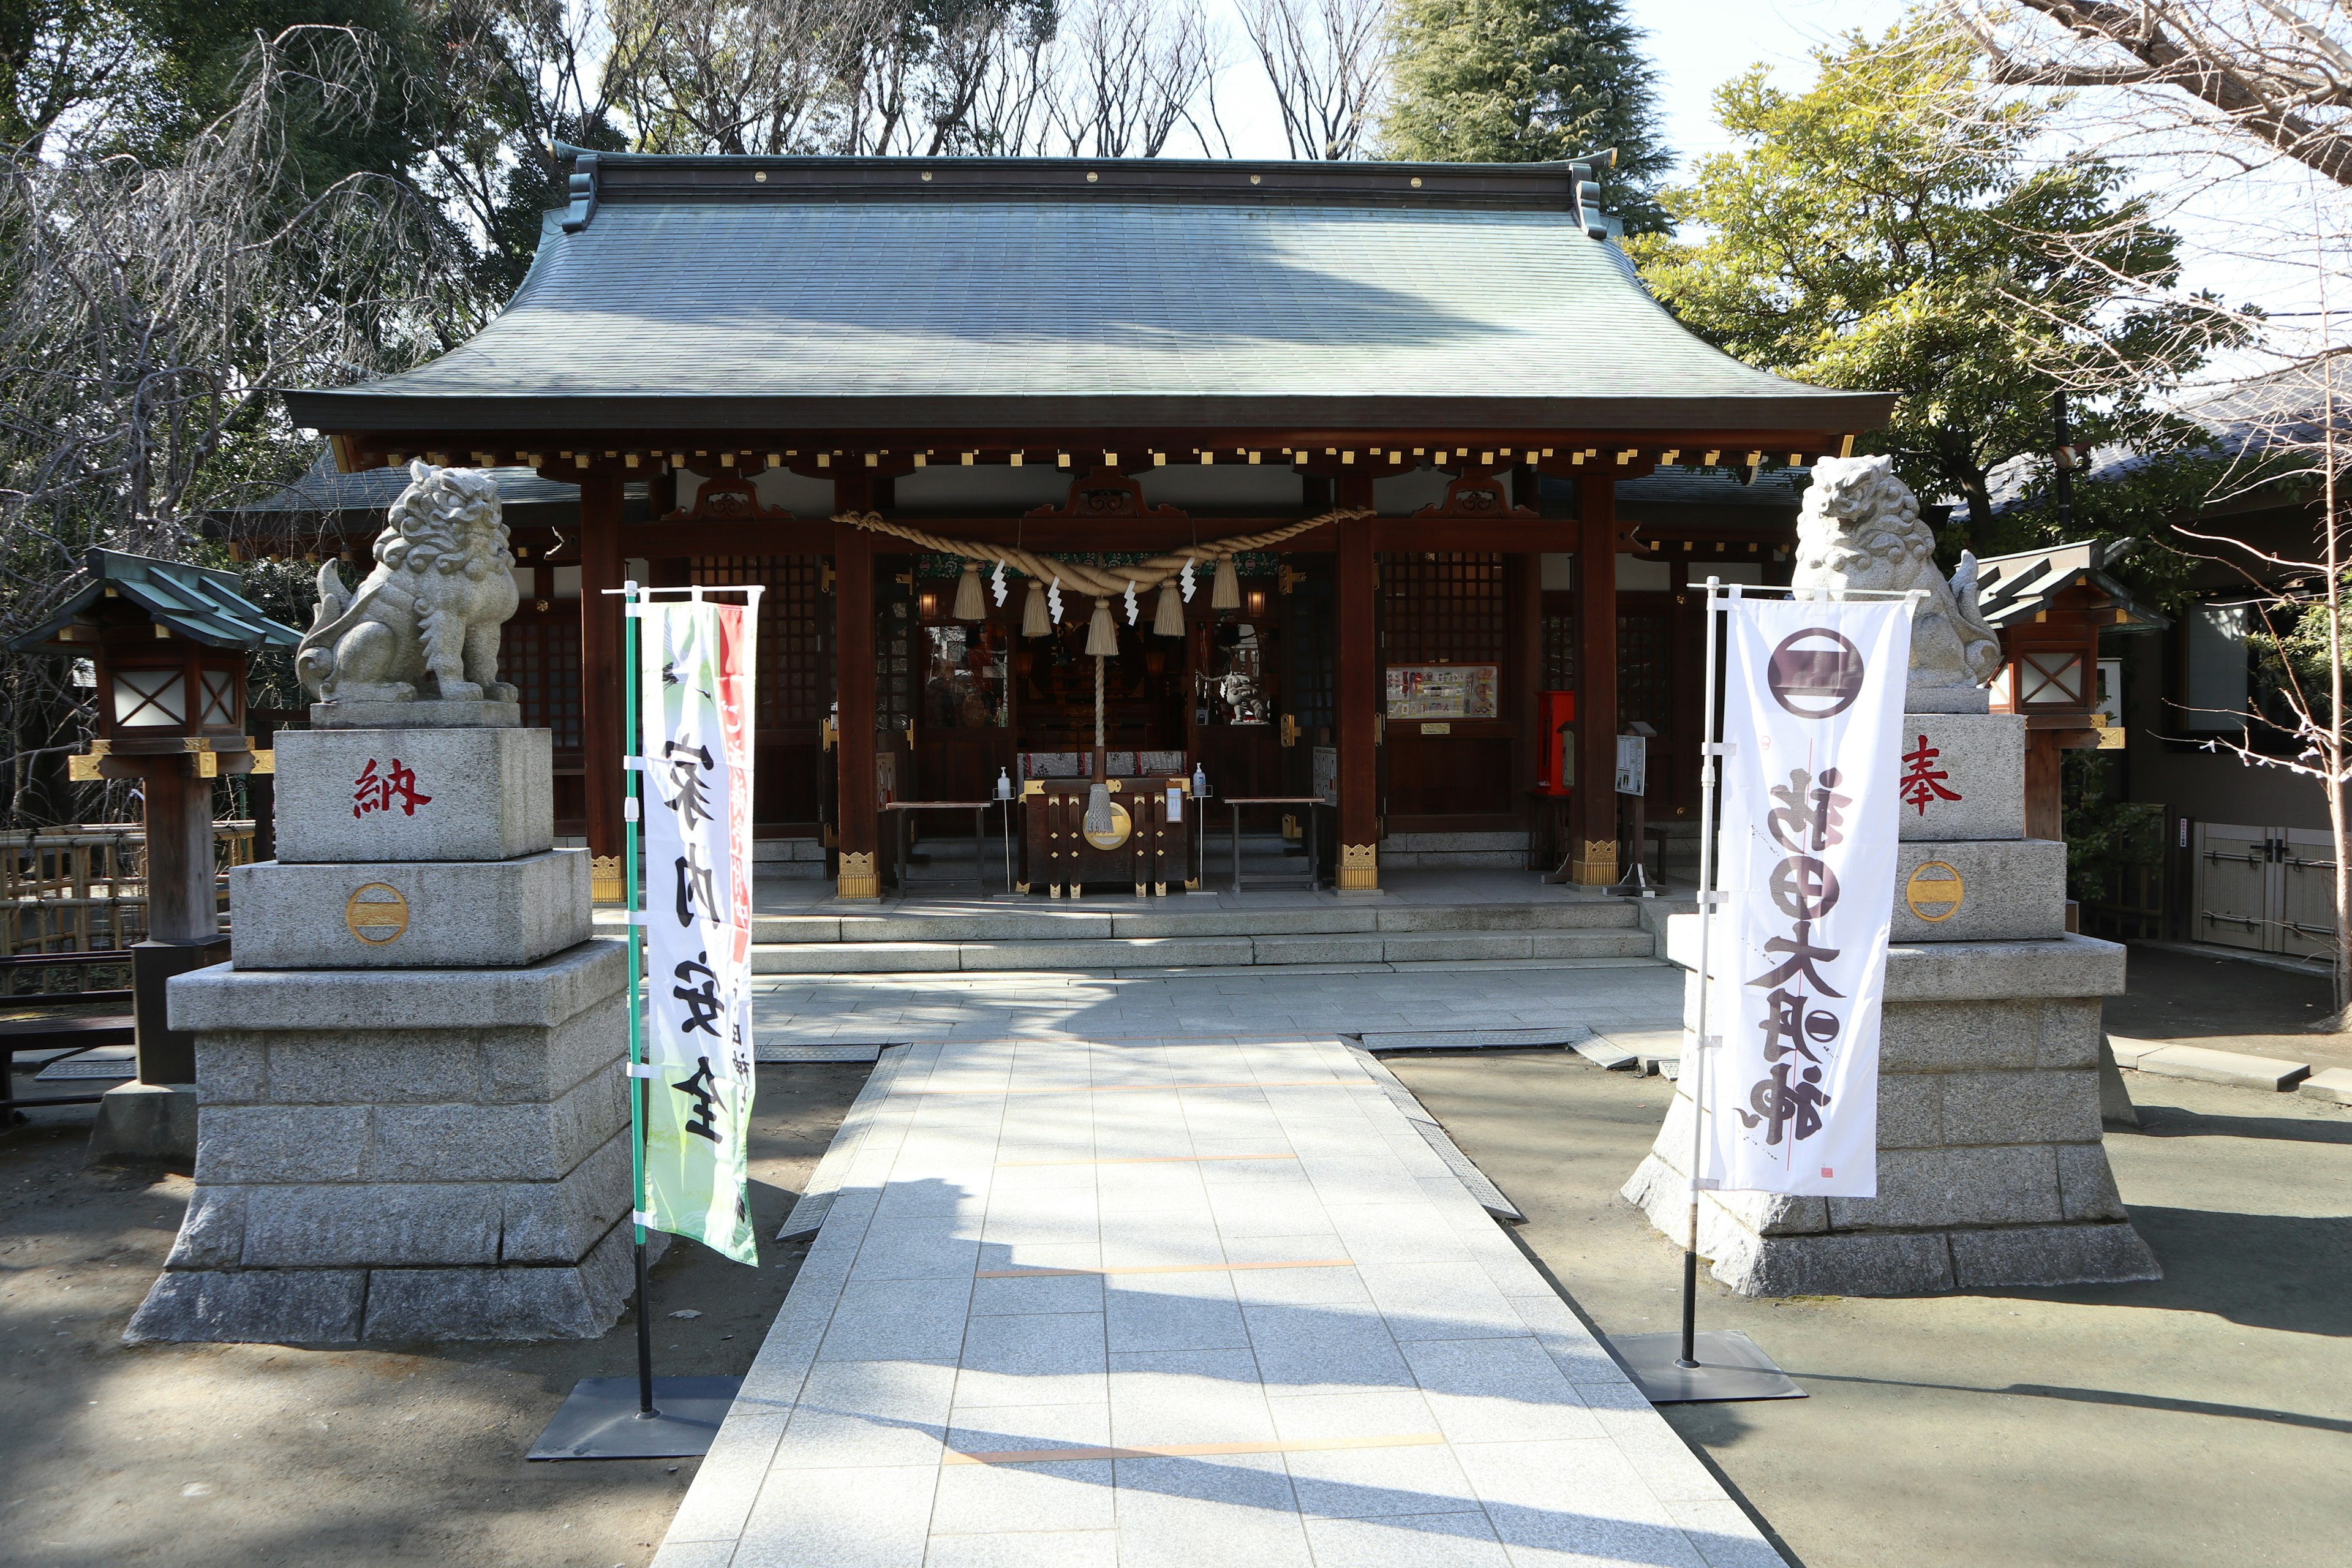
1154	822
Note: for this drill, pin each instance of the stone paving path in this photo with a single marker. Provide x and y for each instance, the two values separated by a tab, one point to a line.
885	1009
1191	1301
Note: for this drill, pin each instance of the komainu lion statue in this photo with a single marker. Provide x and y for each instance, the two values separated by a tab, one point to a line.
1860	528
426	620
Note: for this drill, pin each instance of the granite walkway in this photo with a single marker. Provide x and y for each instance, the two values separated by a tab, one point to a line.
1306	1001
1190	1302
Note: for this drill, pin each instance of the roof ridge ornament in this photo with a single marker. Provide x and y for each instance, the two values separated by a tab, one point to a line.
582	189
1584	175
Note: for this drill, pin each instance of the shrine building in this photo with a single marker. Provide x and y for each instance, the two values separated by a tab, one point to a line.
1442	470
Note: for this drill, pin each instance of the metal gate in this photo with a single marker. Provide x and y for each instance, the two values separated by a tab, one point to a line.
2270	889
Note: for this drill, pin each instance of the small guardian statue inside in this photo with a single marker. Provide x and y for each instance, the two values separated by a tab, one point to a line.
426	623
1860	528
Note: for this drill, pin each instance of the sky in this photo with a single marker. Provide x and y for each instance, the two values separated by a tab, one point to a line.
1697	45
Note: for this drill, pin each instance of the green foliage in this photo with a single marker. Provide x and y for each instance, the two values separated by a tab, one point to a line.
1899	227
2107	840
1522	82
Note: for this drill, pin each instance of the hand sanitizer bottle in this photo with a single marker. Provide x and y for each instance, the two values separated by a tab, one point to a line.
1200	781
1003	784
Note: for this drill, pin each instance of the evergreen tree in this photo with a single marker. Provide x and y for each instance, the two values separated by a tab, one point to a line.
1523	82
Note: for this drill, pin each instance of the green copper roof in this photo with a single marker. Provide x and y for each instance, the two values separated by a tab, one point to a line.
692	293
198	601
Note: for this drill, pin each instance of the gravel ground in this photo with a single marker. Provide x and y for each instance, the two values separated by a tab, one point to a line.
246	1455
2197	1420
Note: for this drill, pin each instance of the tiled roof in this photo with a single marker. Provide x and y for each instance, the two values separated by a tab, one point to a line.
323	489
2010	589
842	293
196	602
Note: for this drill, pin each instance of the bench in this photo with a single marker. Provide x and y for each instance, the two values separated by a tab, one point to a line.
61	1036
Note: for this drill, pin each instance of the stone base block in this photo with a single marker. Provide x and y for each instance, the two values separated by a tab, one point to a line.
1969	972
402	1155
410	915
1982	758
1978	889
343	1306
418	713
349	794
142	1122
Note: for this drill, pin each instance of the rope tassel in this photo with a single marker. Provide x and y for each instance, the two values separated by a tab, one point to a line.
1168	620
1225	593
970	604
1102	636
1035	622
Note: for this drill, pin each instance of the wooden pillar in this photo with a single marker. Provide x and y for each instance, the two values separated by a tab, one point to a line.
601	743
1357	702
1592	818
1523	647
853	599
2045	762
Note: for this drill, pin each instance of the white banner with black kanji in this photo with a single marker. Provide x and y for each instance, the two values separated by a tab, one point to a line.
1812	708
695	671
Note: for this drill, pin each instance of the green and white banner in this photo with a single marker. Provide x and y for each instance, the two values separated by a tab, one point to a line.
695	670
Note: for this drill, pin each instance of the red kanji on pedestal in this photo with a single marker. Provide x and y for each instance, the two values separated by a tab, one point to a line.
1923	782
372	791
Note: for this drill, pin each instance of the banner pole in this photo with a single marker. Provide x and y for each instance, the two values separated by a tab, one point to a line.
1711	767
632	809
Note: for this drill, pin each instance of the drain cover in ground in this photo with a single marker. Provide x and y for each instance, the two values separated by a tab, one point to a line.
818	1053
1471	1039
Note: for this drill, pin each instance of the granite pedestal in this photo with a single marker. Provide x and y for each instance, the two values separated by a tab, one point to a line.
1991	1171
413	1115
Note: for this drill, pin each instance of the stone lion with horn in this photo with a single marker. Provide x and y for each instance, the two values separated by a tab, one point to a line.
426	620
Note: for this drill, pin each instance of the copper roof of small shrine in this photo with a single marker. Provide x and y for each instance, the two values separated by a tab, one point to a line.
783	293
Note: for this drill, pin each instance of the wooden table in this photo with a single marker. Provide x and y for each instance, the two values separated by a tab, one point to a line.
1314	879
907	808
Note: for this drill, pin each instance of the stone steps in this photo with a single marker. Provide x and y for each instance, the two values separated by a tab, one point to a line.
1093	921
1107	951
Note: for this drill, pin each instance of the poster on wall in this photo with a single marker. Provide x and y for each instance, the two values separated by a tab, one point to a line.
1444	690
695	664
1812	712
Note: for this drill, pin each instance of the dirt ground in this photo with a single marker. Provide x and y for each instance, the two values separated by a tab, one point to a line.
240	1456
2198	1420
2229	1004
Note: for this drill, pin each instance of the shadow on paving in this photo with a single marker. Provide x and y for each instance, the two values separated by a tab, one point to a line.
2072	1427
198	1456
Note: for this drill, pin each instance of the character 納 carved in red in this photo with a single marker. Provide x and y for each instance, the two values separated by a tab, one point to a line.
373	791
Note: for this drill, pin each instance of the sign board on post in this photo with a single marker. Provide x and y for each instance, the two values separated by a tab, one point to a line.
695	664
1811	729
1633	764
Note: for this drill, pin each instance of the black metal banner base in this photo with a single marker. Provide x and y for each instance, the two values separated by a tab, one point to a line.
1730	1366
601	1419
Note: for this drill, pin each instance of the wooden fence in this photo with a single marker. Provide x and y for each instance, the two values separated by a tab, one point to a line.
83	889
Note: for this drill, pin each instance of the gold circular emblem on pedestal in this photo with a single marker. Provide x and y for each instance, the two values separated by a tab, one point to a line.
376	913
1934	891
1122	824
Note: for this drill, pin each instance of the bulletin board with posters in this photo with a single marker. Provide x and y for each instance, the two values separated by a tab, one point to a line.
1444	690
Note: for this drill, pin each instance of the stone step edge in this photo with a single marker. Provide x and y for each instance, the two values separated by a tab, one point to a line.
778	980
1115	952
2203	1064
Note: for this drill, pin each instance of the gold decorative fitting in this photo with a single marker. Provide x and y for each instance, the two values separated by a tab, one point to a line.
83	769
606	883
264	763
1359	866
1254	179
927	176
1597	867
1416	181
1092	177
376	913
760	176
1934	891
858	879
